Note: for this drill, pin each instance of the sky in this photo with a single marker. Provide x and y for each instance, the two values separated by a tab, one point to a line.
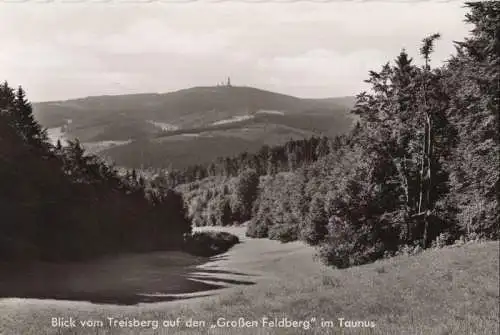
61	50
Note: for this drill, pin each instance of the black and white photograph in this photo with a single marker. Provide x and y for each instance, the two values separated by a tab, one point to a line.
251	167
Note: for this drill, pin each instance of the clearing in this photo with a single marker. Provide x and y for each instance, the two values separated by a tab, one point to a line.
448	291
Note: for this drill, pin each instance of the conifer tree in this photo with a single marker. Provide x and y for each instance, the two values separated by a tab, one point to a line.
472	78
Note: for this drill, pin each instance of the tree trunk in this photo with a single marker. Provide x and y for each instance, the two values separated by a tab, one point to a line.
430	166
402	170
424	206
428	176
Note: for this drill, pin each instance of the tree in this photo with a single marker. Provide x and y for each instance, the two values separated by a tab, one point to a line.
245	193
272	164
291	153
224	215
25	121
425	205
315	228
473	79
406	120
422	160
323	147
7	100
63	204
58	146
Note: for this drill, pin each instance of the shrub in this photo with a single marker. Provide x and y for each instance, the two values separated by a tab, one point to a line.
442	240
315	229
348	254
284	233
405	250
210	243
350	243
257	228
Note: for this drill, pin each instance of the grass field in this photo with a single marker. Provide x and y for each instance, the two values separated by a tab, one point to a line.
448	291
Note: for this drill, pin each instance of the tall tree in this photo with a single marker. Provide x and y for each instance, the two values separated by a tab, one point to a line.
315	226
425	205
245	193
473	79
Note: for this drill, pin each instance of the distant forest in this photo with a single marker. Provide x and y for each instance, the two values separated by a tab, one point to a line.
419	169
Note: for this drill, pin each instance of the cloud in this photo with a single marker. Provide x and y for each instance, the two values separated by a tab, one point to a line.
308	49
149	36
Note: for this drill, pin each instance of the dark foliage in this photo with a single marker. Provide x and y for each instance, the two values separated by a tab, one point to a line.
420	167
269	159
58	203
210	243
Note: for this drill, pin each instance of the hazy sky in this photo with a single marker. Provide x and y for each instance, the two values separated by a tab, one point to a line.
66	50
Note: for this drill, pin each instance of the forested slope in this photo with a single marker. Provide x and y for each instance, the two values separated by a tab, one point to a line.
419	169
57	203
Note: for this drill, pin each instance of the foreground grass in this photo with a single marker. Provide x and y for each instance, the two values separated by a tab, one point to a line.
448	291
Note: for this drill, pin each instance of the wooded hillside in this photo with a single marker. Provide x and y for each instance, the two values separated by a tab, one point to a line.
58	203
419	169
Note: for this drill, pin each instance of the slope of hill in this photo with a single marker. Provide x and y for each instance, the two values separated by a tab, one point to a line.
166	130
453	290
57	205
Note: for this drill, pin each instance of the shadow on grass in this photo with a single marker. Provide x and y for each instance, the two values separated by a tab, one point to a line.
124	280
221	280
218	258
212	270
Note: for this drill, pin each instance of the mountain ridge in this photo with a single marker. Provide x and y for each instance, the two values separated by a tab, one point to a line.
181	90
222	112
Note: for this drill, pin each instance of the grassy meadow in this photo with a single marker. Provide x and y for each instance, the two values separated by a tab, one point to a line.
453	290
